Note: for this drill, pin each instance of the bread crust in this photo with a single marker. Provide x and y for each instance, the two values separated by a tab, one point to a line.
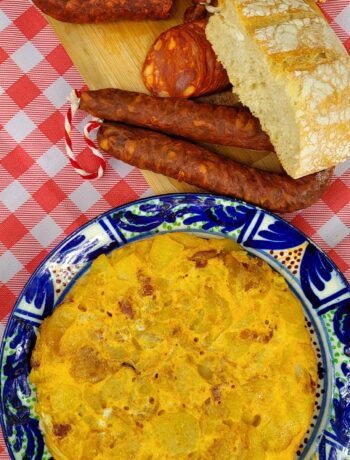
298	55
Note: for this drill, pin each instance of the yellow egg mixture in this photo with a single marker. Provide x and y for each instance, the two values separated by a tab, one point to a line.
176	347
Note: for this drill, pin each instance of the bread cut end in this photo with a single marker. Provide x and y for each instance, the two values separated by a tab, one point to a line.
289	68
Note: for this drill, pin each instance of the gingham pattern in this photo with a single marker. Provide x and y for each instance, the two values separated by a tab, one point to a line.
42	199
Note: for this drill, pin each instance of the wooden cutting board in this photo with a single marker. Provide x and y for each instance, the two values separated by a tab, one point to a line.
112	55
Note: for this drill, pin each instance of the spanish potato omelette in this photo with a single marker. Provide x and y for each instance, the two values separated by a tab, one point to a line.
176	347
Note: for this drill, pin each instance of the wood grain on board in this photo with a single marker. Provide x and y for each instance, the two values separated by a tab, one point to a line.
112	55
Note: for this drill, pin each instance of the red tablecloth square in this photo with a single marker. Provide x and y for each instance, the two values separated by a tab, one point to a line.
337	195
328	16
53	127
120	193
87	160
17	161
49	195
300	222
30	22
341	264
347	45
59	59
3	55
81	220
331	8
11	231
35	262
23	91
8	299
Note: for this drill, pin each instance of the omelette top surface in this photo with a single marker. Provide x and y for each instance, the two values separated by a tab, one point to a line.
175	347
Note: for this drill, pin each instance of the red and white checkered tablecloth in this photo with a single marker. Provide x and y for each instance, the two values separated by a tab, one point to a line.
42	199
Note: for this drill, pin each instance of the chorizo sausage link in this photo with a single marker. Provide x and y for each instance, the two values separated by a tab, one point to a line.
85	11
198	166
182	63
216	124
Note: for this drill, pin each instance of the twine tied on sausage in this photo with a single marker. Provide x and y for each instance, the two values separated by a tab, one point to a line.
94	123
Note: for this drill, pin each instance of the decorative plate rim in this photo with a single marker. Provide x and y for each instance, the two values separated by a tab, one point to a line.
170	196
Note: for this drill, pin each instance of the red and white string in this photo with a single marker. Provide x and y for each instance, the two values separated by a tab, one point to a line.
74	99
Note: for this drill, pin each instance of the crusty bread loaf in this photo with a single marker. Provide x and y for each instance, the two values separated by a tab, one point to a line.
290	69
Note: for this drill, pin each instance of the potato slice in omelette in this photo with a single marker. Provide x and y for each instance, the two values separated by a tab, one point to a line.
175	347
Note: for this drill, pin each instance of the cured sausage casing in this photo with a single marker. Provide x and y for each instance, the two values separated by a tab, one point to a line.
195	12
234	126
84	11
195	165
182	63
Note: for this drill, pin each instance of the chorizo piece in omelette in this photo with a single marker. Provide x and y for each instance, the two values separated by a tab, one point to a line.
175	347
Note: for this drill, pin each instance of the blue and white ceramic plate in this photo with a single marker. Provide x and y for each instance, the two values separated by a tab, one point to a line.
322	289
